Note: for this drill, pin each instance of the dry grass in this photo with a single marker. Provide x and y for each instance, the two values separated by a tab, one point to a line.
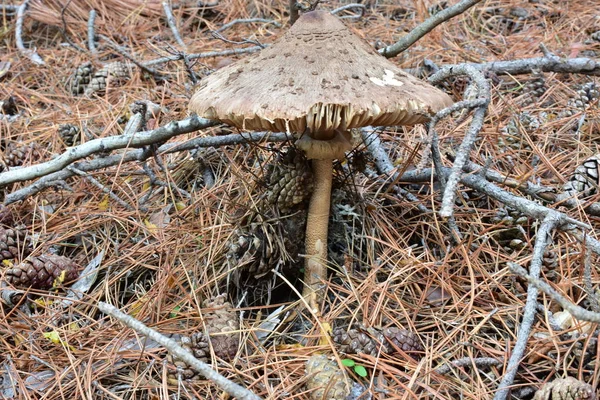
397	267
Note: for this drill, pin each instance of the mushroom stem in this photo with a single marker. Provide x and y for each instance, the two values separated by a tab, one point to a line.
315	268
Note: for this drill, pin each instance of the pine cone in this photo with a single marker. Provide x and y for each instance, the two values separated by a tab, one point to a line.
290	180
198	345
509	217
257	249
587	94
222	325
70	134
14	243
80	79
325	379
115	74
16	154
535	88
565	389
41	272
585	178
371	341
403	339
512	135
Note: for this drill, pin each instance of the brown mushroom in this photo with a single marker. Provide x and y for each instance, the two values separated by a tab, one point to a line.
317	81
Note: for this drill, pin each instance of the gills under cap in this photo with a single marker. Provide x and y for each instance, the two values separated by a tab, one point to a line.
318	77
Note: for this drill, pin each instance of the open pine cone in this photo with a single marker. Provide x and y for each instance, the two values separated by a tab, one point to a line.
325	379
14	243
222	333
565	389
42	272
359	339
290	180
113	74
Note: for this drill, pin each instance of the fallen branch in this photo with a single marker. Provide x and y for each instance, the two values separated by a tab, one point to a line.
208	54
462	154
248	21
232	388
576	311
136	139
173	25
426	27
31	54
543	238
353	6
91	33
140	155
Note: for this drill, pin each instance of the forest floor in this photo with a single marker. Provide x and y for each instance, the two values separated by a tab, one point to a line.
163	237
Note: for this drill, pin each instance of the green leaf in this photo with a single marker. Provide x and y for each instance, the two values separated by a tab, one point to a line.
175	311
348	362
360	370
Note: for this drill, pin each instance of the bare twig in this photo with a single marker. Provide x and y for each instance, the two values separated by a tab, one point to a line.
353	6
91	33
173	25
293	10
100	186
543	237
462	154
135	139
468	362
576	311
122	51
31	54
63	29
248	21
141	155
208	54
232	388
580	65
425	27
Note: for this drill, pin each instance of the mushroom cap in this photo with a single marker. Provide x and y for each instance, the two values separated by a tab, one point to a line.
317	78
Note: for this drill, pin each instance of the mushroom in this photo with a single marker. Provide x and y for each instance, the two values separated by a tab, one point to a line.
317	81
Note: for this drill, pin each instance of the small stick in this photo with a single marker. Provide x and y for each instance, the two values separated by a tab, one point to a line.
573	309
248	21
134	139
360	7
426	27
462	155
543	236
31	54
293	9
91	33
100	186
232	388
122	51
50	179
209	54
172	25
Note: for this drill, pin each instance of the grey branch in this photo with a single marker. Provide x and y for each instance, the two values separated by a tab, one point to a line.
579	65
353	6
543	236
248	21
173	25
232	388
208	54
31	54
138	139
141	155
92	33
426	27
462	154
122	51
573	309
